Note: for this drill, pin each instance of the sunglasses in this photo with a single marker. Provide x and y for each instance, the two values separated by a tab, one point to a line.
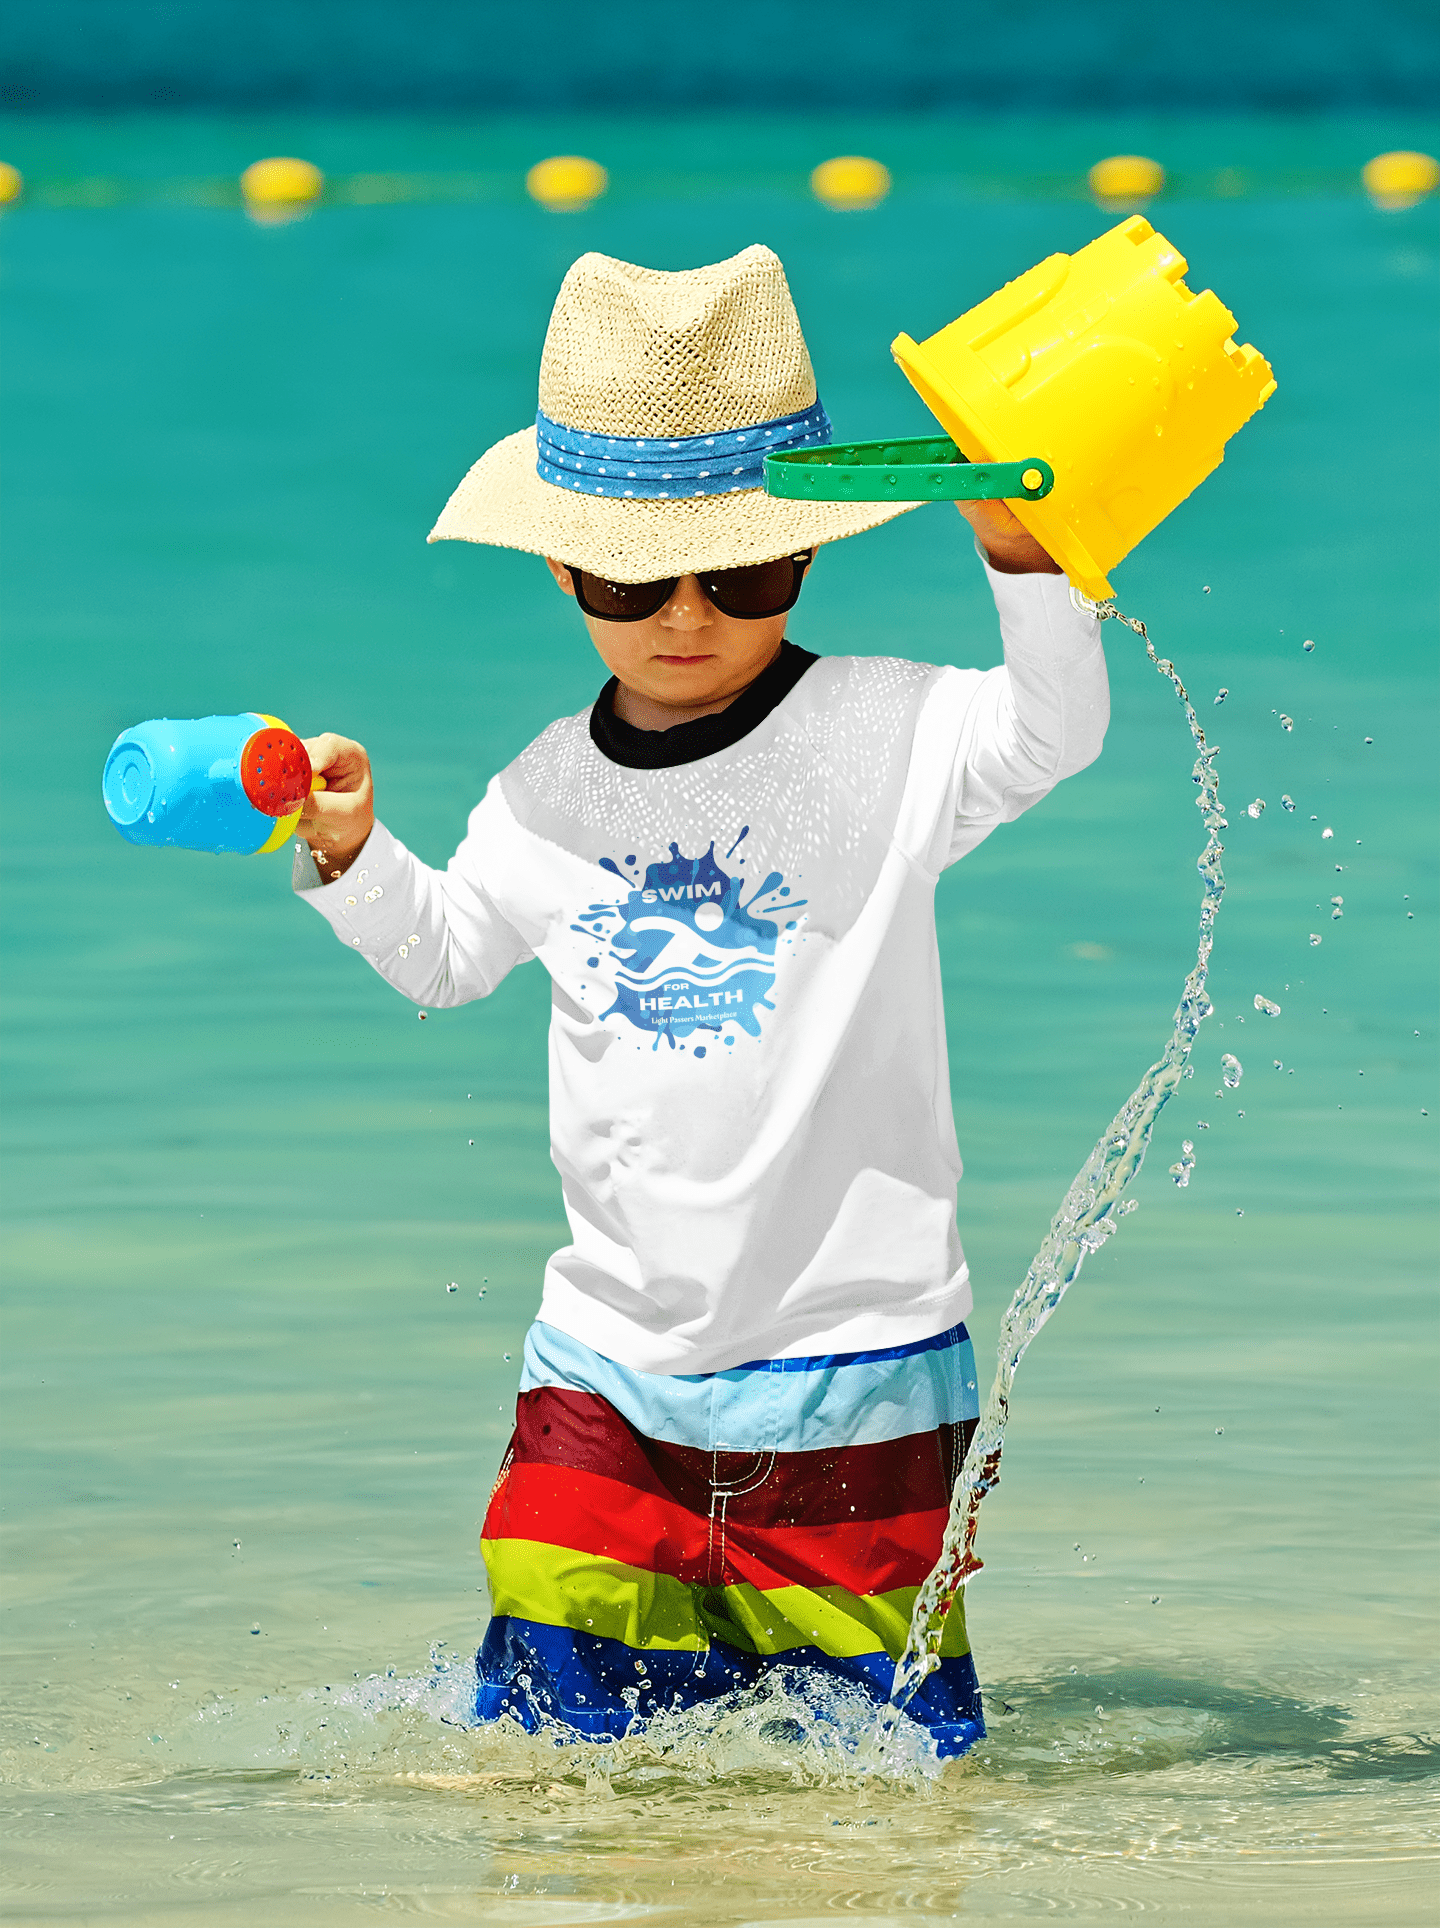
759	589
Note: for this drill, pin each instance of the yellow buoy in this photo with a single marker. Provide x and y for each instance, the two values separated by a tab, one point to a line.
565	183
12	184
1401	179
850	181
1125	180
280	188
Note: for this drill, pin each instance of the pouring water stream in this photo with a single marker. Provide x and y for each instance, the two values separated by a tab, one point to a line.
1088	1214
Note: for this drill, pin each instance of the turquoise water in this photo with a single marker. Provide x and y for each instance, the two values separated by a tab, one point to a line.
239	1172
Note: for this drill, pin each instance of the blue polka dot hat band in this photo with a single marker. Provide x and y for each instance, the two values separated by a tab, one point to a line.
660	468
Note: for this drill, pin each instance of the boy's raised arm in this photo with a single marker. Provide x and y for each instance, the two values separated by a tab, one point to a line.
1039	717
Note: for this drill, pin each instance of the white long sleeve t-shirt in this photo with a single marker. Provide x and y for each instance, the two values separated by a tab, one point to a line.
749	1088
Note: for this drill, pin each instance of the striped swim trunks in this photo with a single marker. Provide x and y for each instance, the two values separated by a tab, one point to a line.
655	1541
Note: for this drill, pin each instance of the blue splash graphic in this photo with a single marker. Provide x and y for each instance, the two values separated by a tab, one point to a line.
689	954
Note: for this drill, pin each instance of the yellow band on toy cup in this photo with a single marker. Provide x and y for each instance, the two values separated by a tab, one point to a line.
285	827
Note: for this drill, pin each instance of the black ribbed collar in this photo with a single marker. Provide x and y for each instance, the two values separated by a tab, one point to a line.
688	742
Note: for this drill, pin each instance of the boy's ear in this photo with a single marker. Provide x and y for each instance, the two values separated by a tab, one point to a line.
561	574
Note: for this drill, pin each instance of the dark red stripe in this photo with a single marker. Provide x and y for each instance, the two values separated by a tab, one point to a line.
835	1485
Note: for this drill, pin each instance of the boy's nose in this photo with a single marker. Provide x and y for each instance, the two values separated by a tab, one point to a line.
688	607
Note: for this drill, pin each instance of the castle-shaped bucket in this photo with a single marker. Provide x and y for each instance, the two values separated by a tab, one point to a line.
1106	366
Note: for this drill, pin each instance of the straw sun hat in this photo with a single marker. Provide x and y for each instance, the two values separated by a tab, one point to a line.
660	395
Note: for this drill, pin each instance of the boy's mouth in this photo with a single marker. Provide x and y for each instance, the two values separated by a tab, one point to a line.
706	656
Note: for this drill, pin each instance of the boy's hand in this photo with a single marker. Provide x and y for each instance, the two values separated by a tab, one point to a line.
1005	539
336	820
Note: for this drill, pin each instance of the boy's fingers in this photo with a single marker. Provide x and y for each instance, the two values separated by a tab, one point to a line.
343	764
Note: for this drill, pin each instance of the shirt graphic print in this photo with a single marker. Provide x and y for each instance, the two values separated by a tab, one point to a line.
688	953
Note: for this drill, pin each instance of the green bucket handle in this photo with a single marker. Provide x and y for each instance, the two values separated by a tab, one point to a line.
924	468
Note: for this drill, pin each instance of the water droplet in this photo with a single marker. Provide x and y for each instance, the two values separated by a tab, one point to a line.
423	1016
1181	1170
481	1293
1307	646
1206	590
1287	803
507	1358
1369	739
452	1286
1220	696
1278	1065
1286	722
1255	809
1155	1599
472	1141
1326	834
1239	1114
412	940
1239	1211
1315	938
1411	915
1267	1005
1231	1071
1200	1125
1219	1432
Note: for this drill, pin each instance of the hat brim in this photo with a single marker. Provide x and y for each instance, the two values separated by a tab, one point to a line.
502	500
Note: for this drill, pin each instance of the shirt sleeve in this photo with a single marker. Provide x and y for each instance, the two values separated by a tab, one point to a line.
1037	718
437	935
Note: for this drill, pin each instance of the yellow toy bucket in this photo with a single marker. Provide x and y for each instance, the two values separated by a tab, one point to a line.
1106	366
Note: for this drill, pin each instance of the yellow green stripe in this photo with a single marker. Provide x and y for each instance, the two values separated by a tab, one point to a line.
562	1588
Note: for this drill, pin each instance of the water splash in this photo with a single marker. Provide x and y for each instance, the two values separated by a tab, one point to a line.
1231	1071
1088	1214
1180	1171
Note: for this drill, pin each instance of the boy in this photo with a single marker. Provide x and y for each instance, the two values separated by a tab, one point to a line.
749	1386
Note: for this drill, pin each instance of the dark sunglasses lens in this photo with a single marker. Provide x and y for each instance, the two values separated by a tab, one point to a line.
620	602
762	589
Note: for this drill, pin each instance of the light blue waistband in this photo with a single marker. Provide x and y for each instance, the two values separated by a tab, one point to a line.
776	1405
658	468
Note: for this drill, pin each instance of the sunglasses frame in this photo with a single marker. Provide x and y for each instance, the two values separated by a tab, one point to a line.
799	562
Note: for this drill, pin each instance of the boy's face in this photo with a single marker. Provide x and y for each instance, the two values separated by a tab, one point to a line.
688	656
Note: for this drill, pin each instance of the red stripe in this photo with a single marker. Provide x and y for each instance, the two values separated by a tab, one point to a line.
611	1519
836	1485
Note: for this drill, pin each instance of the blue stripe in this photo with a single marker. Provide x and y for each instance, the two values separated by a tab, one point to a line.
783	1405
660	468
540	1675
824	1361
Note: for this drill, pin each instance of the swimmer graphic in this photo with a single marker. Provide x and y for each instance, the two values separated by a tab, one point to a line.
689	956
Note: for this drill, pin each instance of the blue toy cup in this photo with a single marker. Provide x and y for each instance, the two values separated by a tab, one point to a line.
220	783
